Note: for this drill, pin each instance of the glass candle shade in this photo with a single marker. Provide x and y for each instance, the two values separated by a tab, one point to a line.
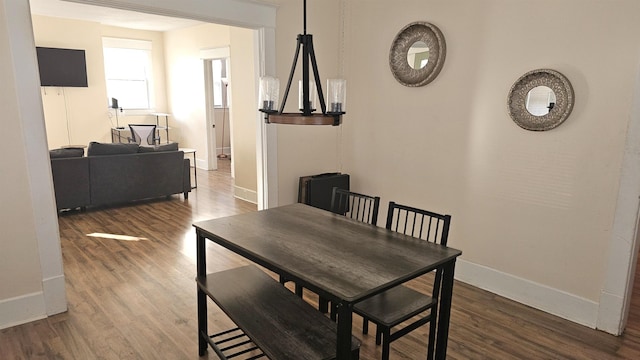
336	95
312	96
269	92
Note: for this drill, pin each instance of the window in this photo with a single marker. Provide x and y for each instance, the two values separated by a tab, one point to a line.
220	82
127	66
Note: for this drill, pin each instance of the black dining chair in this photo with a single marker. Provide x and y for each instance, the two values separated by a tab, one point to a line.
399	304
355	206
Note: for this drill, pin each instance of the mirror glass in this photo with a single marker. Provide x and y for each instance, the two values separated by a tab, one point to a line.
540	100
418	55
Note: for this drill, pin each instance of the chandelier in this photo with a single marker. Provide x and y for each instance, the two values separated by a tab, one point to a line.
336	91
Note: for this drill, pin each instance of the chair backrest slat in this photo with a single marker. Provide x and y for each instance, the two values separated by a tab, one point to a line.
423	224
355	206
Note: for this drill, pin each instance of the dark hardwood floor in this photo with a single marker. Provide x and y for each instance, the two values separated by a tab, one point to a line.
130	285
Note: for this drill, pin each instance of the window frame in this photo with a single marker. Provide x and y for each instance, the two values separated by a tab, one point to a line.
137	45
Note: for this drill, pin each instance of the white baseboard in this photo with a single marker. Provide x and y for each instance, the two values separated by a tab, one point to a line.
55	295
202	164
245	194
542	297
22	309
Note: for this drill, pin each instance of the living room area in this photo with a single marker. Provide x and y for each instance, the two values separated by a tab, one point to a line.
176	87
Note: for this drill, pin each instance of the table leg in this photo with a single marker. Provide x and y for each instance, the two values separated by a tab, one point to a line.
345	317
201	263
445	310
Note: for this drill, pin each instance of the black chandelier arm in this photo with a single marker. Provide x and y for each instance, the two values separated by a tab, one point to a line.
316	74
306	104
293	69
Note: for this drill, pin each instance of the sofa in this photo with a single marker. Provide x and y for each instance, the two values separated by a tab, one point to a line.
118	173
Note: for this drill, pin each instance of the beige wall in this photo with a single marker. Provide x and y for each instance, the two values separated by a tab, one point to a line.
185	84
77	116
185	80
243	112
532	211
20	271
32	283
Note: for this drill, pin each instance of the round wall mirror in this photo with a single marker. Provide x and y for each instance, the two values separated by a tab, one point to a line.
540	100
417	54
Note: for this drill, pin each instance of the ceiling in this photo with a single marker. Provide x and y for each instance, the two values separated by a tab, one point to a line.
108	16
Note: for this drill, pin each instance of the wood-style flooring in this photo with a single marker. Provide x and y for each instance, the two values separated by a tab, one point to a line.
131	292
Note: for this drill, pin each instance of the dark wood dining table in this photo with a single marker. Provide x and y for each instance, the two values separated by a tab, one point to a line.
343	260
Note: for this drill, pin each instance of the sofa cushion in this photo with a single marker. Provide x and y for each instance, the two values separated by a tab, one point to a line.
161	147
97	149
66	153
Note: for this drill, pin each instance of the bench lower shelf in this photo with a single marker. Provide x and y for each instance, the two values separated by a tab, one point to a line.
279	323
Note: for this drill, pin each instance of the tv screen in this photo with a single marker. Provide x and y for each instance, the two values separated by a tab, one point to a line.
62	67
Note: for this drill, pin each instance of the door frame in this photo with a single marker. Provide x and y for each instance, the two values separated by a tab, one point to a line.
207	57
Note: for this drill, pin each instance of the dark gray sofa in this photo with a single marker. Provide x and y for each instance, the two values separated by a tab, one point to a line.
108	176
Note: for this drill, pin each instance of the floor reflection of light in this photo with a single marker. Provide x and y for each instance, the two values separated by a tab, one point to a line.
189	243
117	237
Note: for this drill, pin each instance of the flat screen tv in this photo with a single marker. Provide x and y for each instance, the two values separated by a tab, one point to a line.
62	67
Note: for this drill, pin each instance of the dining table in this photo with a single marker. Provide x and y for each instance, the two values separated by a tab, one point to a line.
340	259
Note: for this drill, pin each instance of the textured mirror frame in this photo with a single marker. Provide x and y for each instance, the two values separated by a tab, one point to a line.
517	100
410	34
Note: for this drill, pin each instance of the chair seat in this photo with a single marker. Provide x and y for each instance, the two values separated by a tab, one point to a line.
394	305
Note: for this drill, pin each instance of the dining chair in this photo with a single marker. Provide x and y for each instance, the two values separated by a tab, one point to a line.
355	206
143	131
401	303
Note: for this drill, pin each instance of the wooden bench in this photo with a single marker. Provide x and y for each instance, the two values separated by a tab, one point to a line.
279	323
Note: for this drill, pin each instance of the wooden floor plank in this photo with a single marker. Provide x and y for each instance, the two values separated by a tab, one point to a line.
136	298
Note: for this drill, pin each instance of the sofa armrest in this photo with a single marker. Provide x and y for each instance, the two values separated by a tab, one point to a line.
71	182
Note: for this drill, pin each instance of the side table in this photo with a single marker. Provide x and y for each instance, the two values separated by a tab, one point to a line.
186	152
